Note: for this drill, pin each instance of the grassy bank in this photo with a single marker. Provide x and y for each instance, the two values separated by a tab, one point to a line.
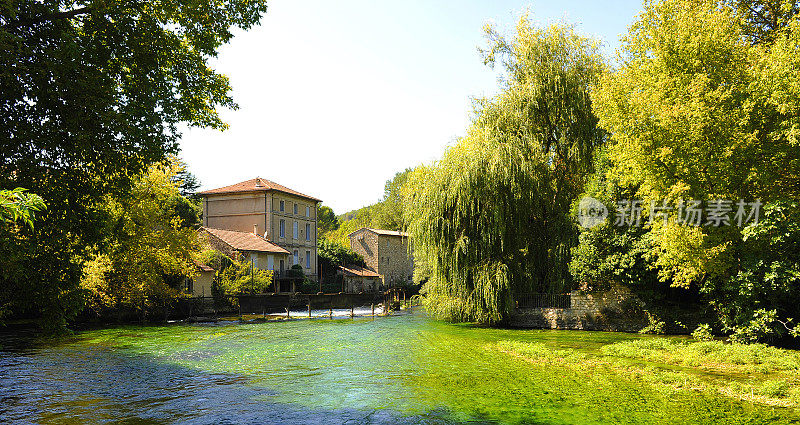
754	373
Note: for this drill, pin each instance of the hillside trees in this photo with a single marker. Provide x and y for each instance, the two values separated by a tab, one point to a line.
92	93
491	218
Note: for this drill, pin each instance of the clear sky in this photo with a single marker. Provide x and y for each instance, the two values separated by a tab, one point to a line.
336	97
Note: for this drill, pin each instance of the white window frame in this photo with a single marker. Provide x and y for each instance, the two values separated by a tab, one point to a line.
270	262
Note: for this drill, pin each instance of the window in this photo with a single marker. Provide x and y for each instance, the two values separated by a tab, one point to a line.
387	243
282	207
308	211
308	232
254	259
294	230
295	209
308	259
295	257
270	262
283	229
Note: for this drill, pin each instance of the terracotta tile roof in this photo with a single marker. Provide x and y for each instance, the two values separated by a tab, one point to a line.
256	185
383	232
358	271
244	241
203	267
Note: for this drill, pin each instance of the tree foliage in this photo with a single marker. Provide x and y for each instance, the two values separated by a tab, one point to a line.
18	206
491	218
704	106
241	278
386	214
326	221
150	252
91	94
331	255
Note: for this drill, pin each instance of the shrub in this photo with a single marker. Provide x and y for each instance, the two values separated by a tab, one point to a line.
656	325
703	333
244	279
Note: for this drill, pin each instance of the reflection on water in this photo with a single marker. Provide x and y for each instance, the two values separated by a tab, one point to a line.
400	369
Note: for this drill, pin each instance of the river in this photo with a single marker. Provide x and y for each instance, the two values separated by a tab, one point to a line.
399	369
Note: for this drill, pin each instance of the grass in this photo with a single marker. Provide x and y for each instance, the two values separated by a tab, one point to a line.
755	373
709	355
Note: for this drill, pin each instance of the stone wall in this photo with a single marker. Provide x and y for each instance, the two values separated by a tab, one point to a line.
614	310
395	262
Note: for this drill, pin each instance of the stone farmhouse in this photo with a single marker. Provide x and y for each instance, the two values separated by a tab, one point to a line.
386	253
266	223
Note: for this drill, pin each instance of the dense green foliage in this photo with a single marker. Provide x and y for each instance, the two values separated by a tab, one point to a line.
491	218
704	106
18	206
149	250
92	93
331	255
385	214
326	221
241	278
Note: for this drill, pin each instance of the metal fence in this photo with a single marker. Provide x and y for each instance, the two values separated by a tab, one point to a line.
273	303
534	300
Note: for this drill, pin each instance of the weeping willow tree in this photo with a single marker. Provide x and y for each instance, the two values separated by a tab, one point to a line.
491	218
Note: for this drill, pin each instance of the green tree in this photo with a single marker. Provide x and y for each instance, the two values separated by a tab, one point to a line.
241	278
16	206
150	253
705	106
491	218
326	221
331	255
92	93
390	209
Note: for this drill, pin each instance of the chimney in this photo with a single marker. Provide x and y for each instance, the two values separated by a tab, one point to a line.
255	229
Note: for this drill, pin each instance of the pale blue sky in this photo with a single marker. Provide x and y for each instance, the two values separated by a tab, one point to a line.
337	96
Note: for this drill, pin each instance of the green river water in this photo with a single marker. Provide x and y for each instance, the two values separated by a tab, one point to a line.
399	369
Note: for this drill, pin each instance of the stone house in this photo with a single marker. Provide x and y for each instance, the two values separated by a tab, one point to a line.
386	252
282	217
356	279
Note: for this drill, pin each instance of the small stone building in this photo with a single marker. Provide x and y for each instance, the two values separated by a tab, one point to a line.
358	279
200	286
386	252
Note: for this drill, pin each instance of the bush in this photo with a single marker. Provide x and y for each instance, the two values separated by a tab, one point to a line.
656	326
703	333
244	279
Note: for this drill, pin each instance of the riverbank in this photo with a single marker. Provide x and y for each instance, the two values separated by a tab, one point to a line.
396	369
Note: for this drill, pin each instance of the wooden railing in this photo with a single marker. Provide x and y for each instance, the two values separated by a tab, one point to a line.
534	300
